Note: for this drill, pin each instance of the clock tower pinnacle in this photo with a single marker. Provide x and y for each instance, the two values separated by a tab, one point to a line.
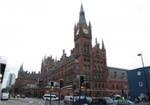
82	20
81	29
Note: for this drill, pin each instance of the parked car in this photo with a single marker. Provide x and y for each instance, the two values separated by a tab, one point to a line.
119	100
82	100
4	95
18	96
103	101
50	97
22	96
68	100
130	102
116	97
123	102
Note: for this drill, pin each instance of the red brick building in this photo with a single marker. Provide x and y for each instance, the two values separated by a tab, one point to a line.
84	60
117	81
27	83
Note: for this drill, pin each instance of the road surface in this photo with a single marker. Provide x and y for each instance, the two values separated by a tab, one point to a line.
29	101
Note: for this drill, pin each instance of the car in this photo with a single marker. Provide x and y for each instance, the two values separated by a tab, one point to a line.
103	101
116	97
130	102
22	96
4	95
124	102
18	96
50	97
85	100
68	100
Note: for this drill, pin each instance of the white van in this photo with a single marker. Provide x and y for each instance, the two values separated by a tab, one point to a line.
4	95
50	97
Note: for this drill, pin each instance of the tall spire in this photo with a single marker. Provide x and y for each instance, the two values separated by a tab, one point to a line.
82	19
81	8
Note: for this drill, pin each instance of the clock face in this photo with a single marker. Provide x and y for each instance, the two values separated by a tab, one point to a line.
85	31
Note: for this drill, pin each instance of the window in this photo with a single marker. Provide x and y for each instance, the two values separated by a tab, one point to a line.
95	85
140	84
88	67
113	86
97	51
95	67
123	75
102	85
115	75
86	49
117	87
99	85
149	71
139	73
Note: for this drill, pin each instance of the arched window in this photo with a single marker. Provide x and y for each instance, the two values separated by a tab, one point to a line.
113	86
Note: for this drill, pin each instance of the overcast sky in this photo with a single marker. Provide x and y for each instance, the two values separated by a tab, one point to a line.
31	29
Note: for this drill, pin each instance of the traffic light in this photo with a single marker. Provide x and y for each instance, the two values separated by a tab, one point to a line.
40	84
81	80
61	83
52	83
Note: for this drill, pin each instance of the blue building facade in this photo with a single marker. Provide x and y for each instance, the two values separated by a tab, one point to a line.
139	81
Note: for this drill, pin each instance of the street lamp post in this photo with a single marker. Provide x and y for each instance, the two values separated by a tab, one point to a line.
141	59
145	76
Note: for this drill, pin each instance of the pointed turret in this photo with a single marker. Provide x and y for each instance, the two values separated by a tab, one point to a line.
75	29
21	68
82	19
96	43
21	71
90	24
103	46
63	55
90	28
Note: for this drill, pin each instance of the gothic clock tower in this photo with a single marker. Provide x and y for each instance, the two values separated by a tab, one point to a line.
83	40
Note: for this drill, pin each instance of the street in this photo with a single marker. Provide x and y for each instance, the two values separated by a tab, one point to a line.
29	101
36	101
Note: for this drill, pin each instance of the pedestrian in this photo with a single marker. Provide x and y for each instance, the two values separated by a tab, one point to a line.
138	99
